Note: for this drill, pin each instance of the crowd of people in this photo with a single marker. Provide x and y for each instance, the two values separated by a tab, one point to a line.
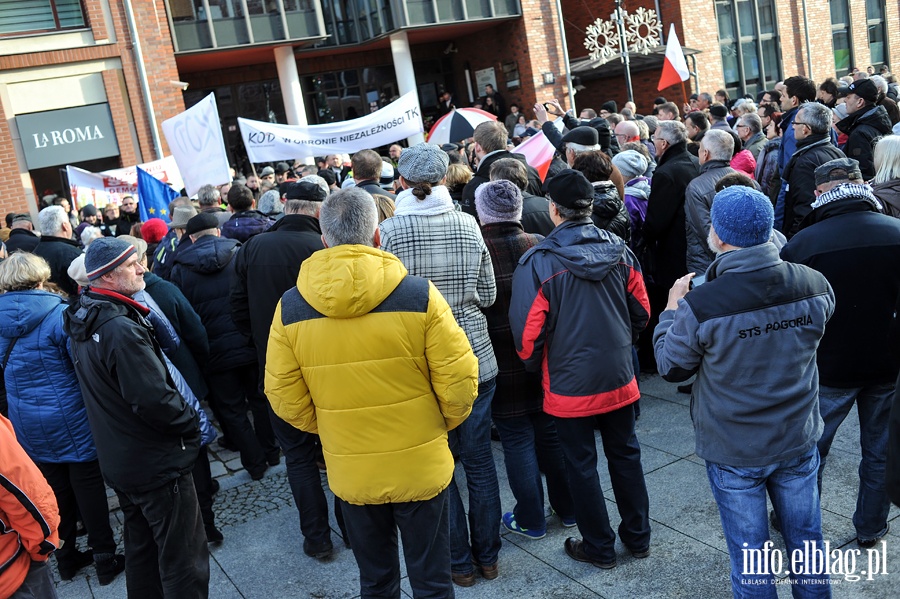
381	317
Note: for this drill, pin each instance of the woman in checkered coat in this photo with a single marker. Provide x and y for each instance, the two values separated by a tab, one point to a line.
435	241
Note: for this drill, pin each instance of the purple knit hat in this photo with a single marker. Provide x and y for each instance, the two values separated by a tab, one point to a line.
498	202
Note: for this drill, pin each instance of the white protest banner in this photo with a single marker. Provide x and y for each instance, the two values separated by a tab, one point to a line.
268	142
195	138
109	187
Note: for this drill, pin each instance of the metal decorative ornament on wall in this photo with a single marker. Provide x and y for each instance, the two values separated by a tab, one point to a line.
638	32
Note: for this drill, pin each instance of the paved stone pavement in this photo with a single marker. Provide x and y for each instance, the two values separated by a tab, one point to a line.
262	554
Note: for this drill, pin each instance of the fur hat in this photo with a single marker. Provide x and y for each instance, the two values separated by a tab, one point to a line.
630	163
105	255
423	163
498	202
742	217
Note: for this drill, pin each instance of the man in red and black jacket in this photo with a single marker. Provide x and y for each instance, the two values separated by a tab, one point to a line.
578	305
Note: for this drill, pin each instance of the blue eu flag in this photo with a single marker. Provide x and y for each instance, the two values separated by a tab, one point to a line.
153	197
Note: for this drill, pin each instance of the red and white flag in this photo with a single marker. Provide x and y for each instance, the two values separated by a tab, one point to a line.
538	151
675	69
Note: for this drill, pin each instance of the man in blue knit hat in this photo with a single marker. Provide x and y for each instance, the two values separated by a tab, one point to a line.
147	436
750	334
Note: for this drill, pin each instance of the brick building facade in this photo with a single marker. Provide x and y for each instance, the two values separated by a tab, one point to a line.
91	64
696	25
518	43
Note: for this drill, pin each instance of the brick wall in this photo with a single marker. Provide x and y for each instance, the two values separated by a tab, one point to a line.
859	34
533	42
117	99
13	198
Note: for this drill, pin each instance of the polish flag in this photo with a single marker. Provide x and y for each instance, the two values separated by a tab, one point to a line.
675	68
538	151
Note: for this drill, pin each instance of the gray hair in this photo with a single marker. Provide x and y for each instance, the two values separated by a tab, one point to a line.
706	96
581	148
51	220
348	217
881	83
745	106
719	144
573	213
270	203
89	234
752	121
671	131
817	116
209	195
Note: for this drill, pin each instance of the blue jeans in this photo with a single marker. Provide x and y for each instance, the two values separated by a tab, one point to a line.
530	446
874	407
471	443
623	456
740	494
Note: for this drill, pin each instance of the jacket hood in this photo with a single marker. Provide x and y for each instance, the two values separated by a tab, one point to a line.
606	199
639	188
876	117
22	311
773	143
208	254
348	281
89	314
586	251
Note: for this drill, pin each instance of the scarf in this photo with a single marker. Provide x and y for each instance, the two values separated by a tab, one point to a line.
845	191
438	202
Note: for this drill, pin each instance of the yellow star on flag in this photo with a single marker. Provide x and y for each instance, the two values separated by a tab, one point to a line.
151	210
163	211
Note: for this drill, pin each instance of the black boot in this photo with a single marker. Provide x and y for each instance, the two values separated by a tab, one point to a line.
108	566
73	563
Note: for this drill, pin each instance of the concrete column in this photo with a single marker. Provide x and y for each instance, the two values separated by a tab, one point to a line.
406	76
291	92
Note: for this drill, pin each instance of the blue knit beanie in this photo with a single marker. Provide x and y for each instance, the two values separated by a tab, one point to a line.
742	216
105	255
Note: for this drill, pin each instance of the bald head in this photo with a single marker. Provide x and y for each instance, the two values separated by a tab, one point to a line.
627	131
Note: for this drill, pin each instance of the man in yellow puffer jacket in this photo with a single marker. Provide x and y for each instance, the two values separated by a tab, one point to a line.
372	360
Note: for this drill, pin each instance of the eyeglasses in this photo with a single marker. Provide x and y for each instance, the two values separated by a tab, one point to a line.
621	135
743	126
799	123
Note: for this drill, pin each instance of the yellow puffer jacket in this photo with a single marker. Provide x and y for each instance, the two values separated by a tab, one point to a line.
372	360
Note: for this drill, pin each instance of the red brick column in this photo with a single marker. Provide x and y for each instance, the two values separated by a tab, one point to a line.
94	15
114	95
14	198
859	34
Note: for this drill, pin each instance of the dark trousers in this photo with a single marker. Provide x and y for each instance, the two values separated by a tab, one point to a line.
79	486
202	476
166	555
300	452
425	531
232	392
623	454
38	584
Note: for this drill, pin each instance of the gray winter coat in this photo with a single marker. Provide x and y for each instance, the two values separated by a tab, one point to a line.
698	199
750	333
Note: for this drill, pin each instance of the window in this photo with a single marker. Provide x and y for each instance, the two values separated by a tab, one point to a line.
877	35
840	36
19	16
748	42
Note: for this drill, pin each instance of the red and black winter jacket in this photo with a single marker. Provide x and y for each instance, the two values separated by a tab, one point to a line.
578	305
